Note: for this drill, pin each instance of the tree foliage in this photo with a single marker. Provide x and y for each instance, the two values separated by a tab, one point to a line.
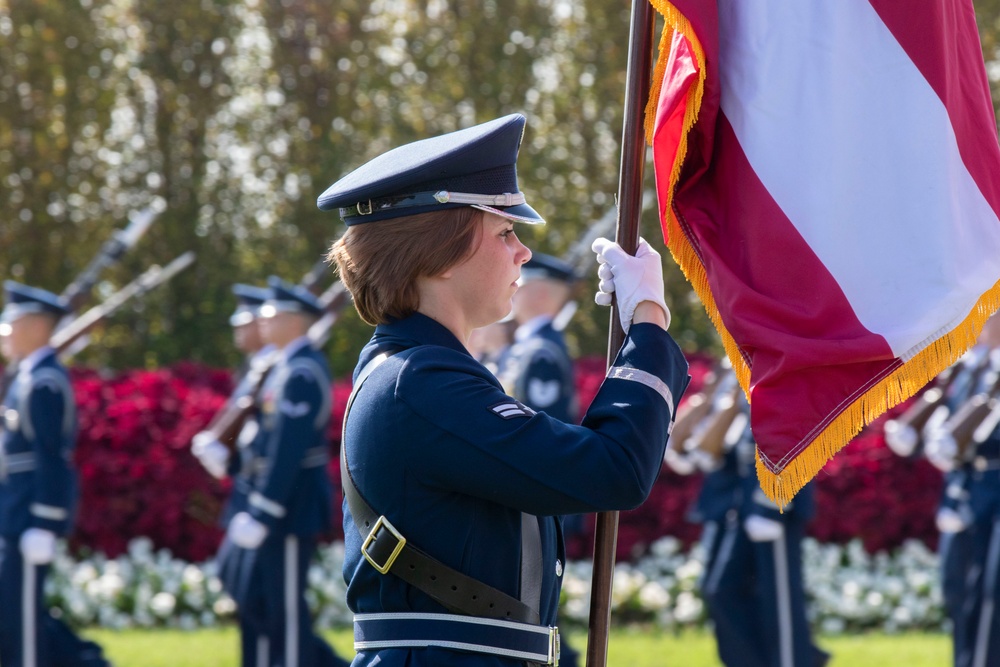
233	115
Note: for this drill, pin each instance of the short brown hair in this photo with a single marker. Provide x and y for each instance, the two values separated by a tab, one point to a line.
380	262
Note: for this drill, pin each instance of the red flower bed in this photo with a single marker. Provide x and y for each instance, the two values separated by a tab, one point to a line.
138	476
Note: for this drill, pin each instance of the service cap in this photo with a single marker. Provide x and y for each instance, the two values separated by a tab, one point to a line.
548	267
249	299
22	300
284	297
471	167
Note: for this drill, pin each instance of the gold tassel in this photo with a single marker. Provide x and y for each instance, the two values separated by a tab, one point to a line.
677	241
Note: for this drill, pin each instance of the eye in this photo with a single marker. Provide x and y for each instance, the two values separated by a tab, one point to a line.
505	234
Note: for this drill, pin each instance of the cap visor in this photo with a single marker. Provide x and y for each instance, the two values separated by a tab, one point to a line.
519	213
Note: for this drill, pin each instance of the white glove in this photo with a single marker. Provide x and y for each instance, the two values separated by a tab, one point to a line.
678	462
941	450
214	456
246	531
950	521
762	529
901	439
704	461
38	546
632	279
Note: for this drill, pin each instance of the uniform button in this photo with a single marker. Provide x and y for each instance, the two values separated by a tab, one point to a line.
558	568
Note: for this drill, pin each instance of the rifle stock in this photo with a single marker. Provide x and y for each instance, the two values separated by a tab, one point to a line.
695	410
112	250
970	416
905	432
711	438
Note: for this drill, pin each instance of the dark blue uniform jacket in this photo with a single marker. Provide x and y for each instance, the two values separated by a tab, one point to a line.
37	480
435	445
291	491
538	372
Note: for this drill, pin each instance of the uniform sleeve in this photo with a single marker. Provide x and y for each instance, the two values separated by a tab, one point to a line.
494	447
49	427
299	416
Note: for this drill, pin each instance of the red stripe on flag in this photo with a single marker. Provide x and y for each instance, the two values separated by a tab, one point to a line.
762	272
681	73
943	42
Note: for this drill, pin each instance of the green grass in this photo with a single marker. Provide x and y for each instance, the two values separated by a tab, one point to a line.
631	648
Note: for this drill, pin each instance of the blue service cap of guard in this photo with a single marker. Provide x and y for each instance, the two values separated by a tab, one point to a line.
283	297
249	299
546	266
472	167
21	300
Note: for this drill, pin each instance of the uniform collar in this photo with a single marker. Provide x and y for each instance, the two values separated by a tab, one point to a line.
35	358
531	327
417	329
294	347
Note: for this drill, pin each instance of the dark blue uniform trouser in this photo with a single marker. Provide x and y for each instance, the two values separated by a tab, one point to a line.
275	624
29	635
978	642
955	557
756	599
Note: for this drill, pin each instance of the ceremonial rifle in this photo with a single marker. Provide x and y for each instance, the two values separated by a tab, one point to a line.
633	161
112	250
695	409
311	281
969	419
710	437
151	278
581	257
228	422
76	293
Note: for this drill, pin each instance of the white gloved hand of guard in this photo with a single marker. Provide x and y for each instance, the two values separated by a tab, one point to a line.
762	529
941	450
902	439
246	531
632	279
212	454
38	546
950	521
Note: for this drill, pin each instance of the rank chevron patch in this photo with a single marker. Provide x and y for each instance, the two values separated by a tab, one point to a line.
511	409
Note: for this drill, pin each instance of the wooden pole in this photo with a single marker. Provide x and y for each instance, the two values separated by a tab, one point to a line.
630	182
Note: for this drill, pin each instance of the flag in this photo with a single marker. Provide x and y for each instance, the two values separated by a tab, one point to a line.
828	175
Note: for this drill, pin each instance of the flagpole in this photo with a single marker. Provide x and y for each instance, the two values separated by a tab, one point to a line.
630	182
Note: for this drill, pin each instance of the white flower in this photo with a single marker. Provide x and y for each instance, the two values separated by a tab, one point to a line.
162	604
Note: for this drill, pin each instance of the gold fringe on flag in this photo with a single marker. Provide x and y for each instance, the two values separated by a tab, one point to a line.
905	381
679	244
901	383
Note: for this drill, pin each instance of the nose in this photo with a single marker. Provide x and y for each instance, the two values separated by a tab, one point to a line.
523	253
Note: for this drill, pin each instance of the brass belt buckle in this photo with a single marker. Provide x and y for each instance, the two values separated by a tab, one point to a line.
373	535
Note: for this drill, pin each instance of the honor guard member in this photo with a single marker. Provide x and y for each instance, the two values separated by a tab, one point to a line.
452	552
969	514
238	465
38	486
753	581
537	369
289	502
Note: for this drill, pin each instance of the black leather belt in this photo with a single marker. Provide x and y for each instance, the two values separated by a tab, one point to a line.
389	552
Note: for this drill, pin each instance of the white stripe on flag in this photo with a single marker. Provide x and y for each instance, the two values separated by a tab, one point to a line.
873	180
